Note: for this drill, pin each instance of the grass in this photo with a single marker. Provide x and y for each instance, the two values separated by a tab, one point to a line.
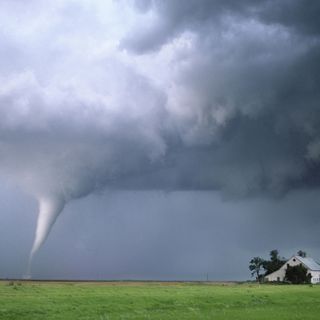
134	300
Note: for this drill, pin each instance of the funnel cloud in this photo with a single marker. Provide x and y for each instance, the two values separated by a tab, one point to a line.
49	210
158	95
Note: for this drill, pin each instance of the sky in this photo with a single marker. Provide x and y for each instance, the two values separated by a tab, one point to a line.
157	139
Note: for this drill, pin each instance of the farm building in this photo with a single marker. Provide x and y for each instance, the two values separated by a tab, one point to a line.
312	267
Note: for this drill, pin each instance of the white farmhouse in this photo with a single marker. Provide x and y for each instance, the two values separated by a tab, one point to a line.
312	267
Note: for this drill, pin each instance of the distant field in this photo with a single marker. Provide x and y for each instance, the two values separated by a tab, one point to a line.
138	300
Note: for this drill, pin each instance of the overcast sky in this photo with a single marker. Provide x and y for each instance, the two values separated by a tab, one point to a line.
157	139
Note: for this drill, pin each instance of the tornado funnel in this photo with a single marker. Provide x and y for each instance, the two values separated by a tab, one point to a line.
49	210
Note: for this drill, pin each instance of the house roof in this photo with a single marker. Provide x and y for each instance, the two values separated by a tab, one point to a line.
309	263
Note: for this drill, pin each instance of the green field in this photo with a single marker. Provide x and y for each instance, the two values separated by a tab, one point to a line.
138	300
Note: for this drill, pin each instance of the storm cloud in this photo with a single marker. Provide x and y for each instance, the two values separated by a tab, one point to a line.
159	95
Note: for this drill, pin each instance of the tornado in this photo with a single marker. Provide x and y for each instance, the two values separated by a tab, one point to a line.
49	209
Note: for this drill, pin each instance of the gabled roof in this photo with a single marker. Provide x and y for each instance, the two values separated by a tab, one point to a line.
309	263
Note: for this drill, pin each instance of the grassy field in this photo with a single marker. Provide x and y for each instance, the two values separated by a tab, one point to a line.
134	300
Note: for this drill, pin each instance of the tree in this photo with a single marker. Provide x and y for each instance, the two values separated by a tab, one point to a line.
301	254
274	255
255	266
275	262
297	274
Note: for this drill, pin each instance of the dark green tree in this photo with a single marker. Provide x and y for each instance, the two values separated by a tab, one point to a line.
256	266
275	262
297	274
301	254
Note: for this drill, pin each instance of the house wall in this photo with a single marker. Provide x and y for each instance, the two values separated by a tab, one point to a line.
277	275
315	276
280	274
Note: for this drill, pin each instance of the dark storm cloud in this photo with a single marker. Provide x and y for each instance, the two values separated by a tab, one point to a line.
240	113
252	86
185	95
176	16
299	15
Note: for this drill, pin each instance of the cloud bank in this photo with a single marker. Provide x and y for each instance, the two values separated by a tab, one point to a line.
169	95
